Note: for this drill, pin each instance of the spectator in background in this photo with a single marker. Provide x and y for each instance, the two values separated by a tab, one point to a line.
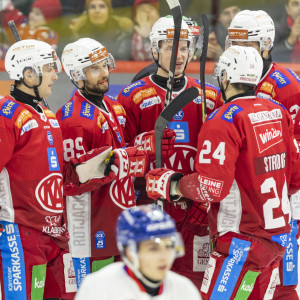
145	14
98	22
36	25
288	34
216	42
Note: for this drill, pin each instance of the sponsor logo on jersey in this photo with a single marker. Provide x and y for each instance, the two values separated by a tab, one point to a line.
52	159
119	138
268	88
13	264
22	118
126	91
182	131
119	110
87	110
54	123
100	240
38	281
140	95
100	119
52	220
122	192
281	79
274	281
290	258
281	239
82	269
197	100
270	163
201	251
121	120
208	274
8	109
247	285
212	186
69	272
50	138
150	102
104	127
28	126
268	135
231	112
179	115
263	96
49	193
231	269
263	116
49	113
294	75
212	115
67	110
210	104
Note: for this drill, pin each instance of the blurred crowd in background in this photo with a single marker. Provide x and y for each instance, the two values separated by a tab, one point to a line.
124	25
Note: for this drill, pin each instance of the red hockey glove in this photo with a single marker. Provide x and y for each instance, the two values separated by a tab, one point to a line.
130	161
86	173
147	141
159	184
198	213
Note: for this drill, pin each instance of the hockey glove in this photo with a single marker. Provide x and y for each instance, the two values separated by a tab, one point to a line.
198	213
130	161
161	184
92	164
147	141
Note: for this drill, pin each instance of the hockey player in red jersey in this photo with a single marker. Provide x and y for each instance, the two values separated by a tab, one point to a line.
256	29
92	123
33	230
143	101
247	165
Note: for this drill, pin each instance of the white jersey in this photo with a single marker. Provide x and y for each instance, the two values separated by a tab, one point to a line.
115	283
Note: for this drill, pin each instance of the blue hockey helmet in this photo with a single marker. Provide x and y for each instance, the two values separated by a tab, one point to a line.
146	222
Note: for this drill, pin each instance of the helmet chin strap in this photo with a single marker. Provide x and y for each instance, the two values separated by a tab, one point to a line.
223	90
35	87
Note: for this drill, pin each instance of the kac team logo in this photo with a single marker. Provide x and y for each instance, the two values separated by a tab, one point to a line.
122	192
49	193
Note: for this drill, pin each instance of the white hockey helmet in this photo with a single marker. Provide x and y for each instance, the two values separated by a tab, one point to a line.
241	64
84	53
163	29
30	54
251	26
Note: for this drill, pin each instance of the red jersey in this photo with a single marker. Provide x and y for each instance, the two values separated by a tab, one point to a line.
31	166
144	101
282	85
92	216
246	161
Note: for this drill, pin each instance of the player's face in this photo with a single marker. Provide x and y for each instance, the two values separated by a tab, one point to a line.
293	9
36	18
247	44
156	258
98	12
165	53
49	76
97	78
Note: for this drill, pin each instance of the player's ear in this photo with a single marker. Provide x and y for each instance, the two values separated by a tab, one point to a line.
155	53
29	76
128	254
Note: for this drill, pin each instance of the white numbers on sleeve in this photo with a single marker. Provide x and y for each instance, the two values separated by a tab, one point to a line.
293	111
218	154
70	147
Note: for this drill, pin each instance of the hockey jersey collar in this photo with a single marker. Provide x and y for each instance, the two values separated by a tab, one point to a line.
179	83
248	94
95	100
25	98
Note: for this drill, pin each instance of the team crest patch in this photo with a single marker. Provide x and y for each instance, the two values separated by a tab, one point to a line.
126	91
8	109
280	79
231	112
87	110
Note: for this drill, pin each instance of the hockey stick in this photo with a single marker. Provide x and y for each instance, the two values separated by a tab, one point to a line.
166	116
17	38
202	64
177	17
